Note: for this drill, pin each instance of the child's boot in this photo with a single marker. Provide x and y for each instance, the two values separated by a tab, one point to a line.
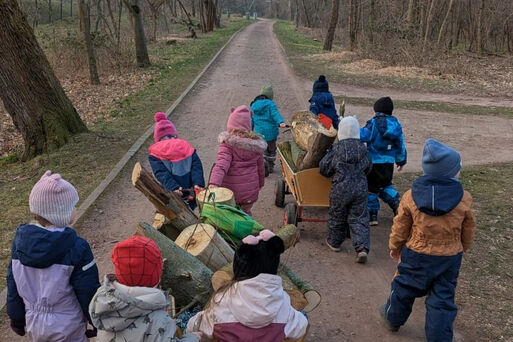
361	255
332	247
390	327
373	218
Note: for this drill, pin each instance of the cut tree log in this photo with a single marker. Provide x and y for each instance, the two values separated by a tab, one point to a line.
166	202
202	241
221	196
163	225
311	295
311	136
187	276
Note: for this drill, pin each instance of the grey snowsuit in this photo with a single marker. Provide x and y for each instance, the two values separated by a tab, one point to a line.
348	162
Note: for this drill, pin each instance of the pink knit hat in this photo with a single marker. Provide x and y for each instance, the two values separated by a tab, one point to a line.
163	127
240	118
53	199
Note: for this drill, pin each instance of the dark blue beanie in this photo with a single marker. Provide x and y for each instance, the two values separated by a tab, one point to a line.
384	105
321	85
439	160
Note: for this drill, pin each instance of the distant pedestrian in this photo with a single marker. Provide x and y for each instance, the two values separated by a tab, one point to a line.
322	103
348	162
265	121
240	163
384	137
434	226
174	161
129	306
52	275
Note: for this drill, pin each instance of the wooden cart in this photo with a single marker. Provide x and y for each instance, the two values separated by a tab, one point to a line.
309	188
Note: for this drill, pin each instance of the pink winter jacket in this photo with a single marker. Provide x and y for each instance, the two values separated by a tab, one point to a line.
240	166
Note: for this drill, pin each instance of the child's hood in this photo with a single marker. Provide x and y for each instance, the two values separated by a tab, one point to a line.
248	141
259	107
257	301
117	306
40	247
172	150
388	126
436	196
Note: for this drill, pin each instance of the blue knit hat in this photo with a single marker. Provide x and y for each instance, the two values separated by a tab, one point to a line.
439	160
321	85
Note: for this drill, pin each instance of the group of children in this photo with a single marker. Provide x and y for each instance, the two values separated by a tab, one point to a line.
53	283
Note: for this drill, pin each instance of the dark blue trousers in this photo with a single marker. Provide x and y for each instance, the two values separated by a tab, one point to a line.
426	275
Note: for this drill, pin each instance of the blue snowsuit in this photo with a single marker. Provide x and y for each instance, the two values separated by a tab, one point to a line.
348	162
420	274
266	118
323	103
383	135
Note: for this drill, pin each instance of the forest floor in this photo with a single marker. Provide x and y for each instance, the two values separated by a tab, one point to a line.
352	293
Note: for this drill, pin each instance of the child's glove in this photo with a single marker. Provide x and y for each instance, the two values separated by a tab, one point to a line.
90	333
18	326
325	121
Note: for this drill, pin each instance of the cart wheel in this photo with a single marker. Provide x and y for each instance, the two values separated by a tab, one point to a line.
279	193
290	214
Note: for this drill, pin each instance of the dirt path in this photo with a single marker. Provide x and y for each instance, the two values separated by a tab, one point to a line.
352	293
408	95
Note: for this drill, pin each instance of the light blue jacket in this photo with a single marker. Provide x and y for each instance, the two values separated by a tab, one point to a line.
383	135
266	118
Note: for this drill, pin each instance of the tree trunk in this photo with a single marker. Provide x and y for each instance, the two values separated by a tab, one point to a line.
479	28
166	202
428	24
410	13
190	24
85	20
141	51
312	296
193	9
444	23
305	12
60	14
30	91
185	275
211	14
204	242
50	12
296	15
352	23
328	42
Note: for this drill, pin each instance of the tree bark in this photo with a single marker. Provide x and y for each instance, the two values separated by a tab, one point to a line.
29	89
141	51
211	14
479	28
328	42
166	202
85	21
444	23
428	24
305	12
410	13
185	275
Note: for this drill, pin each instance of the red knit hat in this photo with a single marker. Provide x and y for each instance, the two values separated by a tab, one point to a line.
163	127
137	262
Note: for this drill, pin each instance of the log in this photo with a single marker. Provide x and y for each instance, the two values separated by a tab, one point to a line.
221	196
202	241
163	225
311	295
311	136
187	276
166	202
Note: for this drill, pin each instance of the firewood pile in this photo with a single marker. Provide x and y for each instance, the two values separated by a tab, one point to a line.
197	260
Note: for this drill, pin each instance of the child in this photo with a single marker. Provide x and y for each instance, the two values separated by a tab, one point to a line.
254	307
322	102
129	306
52	275
265	121
348	162
174	162
383	135
240	164
434	226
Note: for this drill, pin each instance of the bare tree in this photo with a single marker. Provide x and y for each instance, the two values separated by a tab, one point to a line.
30	91
85	24
155	6
444	22
141	51
328	42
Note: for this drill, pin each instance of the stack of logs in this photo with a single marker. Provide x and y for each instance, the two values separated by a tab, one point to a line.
197	260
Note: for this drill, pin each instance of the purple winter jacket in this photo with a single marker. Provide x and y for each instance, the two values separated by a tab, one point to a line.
240	166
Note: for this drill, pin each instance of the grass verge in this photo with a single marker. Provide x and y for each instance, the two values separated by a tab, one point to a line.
89	157
486	277
306	55
431	106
